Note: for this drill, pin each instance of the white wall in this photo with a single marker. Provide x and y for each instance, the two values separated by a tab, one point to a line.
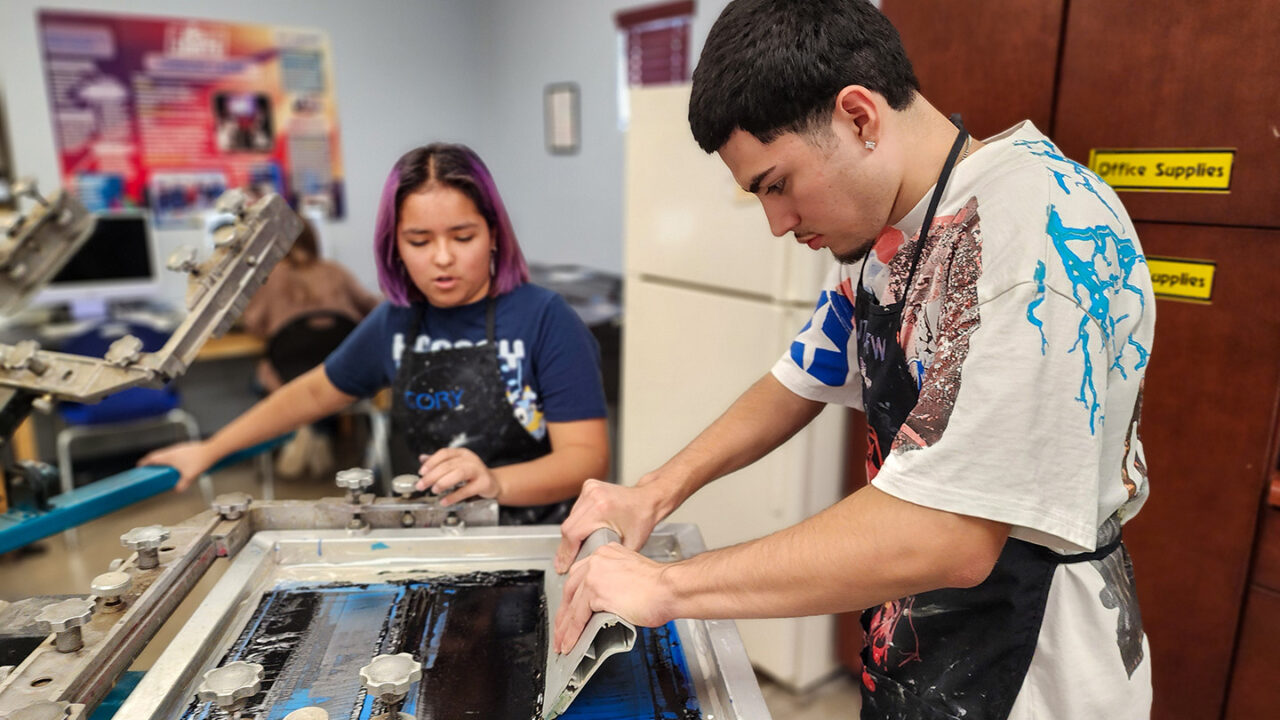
565	208
402	71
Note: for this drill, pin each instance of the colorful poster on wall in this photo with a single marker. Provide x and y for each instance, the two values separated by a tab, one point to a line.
168	113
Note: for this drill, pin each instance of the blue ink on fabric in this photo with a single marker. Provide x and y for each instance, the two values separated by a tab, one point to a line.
1036	303
1094	282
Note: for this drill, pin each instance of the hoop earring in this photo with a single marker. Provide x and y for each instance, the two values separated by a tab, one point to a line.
870	144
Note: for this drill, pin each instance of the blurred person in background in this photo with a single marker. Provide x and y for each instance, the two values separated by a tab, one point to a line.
304	282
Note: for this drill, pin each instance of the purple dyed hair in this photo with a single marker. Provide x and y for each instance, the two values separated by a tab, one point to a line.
458	167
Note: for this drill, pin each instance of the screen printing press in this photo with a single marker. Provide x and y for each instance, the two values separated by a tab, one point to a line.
369	607
349	607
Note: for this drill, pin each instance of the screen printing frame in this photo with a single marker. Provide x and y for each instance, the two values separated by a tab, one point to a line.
724	681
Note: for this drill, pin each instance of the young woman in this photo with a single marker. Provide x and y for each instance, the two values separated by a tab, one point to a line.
496	387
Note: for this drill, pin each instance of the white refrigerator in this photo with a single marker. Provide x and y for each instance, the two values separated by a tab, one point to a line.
712	301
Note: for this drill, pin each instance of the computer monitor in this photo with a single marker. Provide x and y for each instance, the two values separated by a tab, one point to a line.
117	262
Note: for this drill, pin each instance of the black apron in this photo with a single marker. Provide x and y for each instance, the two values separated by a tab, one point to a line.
456	398
950	653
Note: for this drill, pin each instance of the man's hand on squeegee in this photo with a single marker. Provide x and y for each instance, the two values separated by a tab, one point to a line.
631	512
612	579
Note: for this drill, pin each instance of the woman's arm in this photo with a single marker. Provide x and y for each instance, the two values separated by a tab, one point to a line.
306	399
579	451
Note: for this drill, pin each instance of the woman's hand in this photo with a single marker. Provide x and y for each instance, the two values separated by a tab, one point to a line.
458	470
190	459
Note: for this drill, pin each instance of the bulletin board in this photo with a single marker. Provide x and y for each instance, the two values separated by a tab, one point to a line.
168	113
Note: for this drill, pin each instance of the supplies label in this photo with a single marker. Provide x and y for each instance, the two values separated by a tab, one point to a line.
1182	279
1190	170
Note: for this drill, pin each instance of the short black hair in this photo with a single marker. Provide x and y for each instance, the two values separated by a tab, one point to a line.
775	66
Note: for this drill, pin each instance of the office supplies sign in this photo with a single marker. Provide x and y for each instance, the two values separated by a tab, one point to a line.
1179	279
1188	170
170	112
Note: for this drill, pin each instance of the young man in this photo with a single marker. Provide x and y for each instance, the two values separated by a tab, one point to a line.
992	315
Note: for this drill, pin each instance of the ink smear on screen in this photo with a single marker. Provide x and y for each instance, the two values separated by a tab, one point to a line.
481	639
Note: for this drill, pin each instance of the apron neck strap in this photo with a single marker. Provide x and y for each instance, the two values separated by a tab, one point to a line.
490	319
941	185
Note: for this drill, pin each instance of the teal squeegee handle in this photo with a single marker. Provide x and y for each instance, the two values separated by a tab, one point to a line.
20	527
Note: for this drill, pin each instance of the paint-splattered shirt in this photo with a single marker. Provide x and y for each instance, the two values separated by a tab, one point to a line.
1027	329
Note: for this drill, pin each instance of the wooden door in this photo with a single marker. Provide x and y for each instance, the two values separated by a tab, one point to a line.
1178	75
1208	424
993	61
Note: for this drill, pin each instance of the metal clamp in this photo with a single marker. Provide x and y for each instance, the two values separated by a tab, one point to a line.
232	506
111	587
230	685
184	260
124	352
26	187
388	678
65	618
308	713
405	485
354	480
146	541
233	202
453	523
25	356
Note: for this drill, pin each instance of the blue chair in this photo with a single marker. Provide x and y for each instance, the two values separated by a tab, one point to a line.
132	415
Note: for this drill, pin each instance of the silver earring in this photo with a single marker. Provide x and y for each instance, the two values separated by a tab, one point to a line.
870	144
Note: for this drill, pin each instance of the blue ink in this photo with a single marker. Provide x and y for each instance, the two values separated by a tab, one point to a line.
1094	282
379	546
917	369
481	638
1081	176
437	634
300	698
1034	304
650	682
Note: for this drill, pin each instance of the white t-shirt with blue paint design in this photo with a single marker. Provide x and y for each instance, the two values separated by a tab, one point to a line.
1028	328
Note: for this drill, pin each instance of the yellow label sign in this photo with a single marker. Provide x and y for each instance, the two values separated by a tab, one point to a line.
1182	279
1191	170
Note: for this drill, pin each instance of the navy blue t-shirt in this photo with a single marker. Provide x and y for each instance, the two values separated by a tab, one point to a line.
550	361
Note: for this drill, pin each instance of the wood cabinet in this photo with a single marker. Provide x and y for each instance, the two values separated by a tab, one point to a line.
1255	693
992	61
1178	75
1208	419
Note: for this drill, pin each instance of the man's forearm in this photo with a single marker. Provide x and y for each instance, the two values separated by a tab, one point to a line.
761	419
863	551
